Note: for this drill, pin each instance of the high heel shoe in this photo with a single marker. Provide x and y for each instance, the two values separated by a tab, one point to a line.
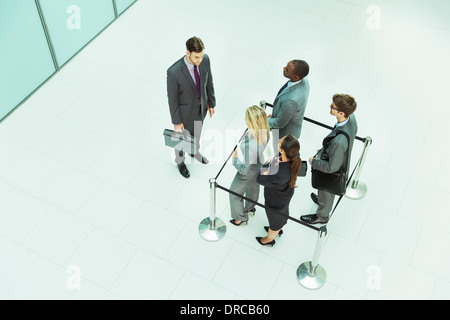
271	243
233	221
279	233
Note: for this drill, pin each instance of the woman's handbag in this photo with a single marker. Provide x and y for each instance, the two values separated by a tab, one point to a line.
335	182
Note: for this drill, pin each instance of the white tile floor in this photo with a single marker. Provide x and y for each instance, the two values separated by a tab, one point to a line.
86	183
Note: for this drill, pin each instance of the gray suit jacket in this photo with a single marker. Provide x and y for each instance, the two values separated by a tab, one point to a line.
250	156
182	92
288	109
332	156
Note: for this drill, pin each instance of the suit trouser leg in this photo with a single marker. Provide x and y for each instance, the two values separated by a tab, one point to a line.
239	185
194	129
252	192
325	200
179	155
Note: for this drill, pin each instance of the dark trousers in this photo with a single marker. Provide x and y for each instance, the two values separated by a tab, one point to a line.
325	200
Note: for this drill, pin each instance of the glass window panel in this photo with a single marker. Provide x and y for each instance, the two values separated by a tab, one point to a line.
73	23
25	58
122	5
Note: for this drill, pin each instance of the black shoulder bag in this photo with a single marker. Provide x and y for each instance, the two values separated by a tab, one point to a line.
334	182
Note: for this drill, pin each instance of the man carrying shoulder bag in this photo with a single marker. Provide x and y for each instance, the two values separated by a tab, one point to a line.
335	152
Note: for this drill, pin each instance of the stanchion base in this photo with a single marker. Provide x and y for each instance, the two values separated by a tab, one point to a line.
358	192
209	234
309	281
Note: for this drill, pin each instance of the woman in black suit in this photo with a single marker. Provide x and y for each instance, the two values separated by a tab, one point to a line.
278	178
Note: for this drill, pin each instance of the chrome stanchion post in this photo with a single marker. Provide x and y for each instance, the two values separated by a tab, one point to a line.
310	274
358	189
262	104
212	228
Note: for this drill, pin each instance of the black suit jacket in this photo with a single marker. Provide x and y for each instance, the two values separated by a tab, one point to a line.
277	191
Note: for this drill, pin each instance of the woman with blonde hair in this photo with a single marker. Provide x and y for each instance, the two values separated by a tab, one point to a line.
248	160
278	178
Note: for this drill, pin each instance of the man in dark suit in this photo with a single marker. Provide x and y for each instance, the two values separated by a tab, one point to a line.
290	103
331	158
190	92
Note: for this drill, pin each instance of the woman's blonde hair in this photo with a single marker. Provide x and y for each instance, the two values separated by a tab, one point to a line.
256	120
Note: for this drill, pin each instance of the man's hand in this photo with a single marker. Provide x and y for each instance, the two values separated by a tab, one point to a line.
178	127
211	110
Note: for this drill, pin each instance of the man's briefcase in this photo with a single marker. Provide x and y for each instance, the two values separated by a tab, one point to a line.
182	141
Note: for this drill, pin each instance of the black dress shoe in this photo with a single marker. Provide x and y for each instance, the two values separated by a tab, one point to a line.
183	170
200	158
315	198
312	219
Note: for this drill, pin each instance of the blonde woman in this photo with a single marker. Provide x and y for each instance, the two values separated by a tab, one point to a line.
248	160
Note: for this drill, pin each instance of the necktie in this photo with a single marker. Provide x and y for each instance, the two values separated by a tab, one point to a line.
197	79
282	88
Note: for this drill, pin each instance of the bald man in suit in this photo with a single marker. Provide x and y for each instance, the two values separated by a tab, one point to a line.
190	92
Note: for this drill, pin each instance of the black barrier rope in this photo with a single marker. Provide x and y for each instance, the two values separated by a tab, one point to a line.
331	128
287	216
305	118
235	147
320	124
279	213
346	186
263	206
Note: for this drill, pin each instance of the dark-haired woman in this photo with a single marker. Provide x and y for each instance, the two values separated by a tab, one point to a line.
278	178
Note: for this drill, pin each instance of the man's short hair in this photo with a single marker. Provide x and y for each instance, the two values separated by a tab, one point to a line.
345	103
195	44
301	68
